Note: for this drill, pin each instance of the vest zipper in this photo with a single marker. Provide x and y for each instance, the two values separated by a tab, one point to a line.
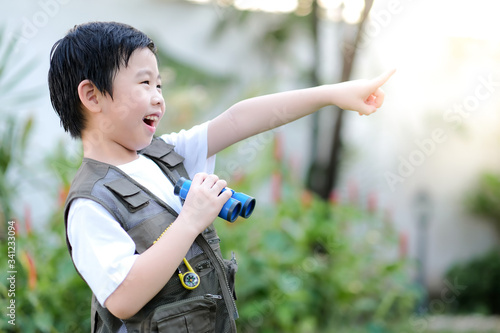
226	289
213	296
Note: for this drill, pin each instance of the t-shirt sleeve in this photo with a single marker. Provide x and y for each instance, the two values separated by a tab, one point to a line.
102	251
192	144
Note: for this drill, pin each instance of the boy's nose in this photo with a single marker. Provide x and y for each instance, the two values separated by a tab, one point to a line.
157	99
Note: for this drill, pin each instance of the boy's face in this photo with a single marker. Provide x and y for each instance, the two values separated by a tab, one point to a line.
130	118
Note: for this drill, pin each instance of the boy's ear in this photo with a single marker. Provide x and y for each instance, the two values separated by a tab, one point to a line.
88	94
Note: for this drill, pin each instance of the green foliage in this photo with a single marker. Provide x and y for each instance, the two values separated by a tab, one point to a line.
14	133
306	265
481	275
12	68
482	292
485	198
13	139
49	295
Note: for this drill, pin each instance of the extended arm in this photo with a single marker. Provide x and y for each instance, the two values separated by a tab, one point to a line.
256	115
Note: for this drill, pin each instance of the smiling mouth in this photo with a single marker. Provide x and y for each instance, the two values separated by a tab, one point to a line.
150	120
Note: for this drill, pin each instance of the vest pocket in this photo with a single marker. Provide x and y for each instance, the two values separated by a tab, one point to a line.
193	315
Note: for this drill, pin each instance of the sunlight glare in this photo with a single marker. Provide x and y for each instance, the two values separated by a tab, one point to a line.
353	10
275	6
330	4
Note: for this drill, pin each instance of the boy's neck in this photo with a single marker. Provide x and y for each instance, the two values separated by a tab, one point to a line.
110	153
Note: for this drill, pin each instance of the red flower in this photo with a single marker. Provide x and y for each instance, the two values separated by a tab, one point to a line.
276	187
63	194
306	198
353	191
278	147
27	219
29	264
334	197
237	177
372	202
403	245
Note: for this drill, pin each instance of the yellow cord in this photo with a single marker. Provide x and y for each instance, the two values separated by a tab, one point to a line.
163	233
189	280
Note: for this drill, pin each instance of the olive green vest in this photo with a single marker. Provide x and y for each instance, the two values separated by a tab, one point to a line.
208	308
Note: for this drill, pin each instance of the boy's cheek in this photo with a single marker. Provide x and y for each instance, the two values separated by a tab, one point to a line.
131	99
136	97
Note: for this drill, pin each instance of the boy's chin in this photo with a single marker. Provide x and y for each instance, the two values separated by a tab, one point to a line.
144	144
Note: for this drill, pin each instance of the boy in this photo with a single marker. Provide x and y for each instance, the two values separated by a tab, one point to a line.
105	86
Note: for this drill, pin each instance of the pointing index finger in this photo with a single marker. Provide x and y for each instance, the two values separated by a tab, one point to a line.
382	79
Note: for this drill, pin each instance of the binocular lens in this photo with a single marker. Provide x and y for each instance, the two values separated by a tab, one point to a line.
230	210
248	203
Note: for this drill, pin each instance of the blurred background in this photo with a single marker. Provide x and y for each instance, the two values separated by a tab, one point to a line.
387	223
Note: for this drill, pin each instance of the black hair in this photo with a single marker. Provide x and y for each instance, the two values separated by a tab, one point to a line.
93	51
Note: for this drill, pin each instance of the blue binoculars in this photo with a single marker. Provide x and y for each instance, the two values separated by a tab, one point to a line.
239	204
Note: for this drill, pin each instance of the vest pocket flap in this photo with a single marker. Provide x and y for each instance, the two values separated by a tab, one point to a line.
137	201
172	159
163	151
128	192
123	187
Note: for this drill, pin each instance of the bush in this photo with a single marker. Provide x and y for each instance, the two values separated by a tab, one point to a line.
306	265
481	276
485	198
49	295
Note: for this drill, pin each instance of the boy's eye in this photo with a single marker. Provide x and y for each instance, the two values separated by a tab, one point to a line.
158	86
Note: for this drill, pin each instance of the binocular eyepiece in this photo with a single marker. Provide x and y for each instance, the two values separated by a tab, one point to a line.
239	204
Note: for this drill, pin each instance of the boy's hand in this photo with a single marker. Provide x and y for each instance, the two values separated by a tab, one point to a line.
204	200
364	96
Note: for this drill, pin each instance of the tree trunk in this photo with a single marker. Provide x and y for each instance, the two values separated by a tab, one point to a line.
322	179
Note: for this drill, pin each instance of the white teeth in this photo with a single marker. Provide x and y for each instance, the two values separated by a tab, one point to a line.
151	120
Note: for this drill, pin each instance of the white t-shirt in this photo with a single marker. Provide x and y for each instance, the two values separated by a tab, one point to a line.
102	251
